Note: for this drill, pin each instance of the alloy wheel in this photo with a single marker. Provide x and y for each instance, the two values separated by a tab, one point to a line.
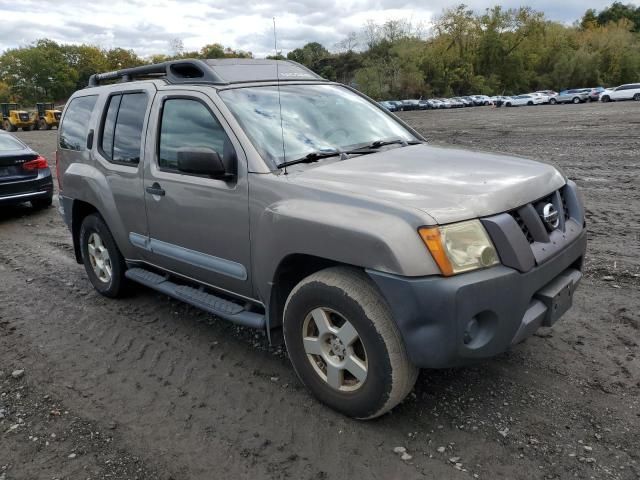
99	258
334	349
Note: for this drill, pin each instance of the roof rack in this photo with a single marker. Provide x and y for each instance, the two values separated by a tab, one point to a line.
213	71
177	71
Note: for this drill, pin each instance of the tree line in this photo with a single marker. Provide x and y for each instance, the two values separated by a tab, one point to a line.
498	51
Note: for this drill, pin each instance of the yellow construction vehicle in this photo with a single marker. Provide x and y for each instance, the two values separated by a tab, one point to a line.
13	119
46	116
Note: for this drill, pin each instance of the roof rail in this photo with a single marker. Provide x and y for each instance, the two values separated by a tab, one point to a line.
175	71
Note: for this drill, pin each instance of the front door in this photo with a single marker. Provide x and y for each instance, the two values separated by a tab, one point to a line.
197	226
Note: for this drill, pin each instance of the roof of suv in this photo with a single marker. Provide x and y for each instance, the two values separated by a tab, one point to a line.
213	71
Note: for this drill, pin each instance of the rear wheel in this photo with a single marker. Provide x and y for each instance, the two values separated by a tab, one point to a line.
576	100
553	101
344	345
529	103
101	257
636	97
605	98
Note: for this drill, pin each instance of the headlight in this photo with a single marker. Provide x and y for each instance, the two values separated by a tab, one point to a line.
459	247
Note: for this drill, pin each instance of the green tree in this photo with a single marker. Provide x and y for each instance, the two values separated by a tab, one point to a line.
618	11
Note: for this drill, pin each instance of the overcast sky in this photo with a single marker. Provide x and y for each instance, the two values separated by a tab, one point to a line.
148	26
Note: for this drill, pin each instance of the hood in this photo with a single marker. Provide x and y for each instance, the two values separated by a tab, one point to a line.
446	183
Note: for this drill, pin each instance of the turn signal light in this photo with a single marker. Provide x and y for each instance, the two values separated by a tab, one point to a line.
433	240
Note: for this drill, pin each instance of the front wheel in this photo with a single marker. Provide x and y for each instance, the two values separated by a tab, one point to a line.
605	99
101	257
344	344
636	97
576	100
553	101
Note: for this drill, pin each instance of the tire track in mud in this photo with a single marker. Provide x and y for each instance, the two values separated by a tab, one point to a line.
175	376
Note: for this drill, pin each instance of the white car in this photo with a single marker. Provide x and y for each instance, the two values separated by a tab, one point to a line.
629	91
539	98
519	100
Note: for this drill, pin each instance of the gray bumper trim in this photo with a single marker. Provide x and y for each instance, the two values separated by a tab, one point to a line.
433	313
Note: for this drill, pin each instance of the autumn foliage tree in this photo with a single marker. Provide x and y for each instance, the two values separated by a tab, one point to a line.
495	51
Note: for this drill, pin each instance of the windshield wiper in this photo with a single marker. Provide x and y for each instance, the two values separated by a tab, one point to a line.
373	146
310	157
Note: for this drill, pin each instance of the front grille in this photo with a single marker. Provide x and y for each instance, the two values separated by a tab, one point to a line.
565	208
24	117
523	226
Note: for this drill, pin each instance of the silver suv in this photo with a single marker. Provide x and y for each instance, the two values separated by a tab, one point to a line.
274	199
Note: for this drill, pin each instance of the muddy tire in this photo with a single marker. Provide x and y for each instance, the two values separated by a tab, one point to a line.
102	259
344	344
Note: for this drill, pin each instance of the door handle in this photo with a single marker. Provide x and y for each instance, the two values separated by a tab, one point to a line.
155	189
90	140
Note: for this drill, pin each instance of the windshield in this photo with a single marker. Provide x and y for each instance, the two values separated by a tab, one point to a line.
315	118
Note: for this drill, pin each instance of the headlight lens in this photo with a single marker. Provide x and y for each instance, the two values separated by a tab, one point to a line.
460	247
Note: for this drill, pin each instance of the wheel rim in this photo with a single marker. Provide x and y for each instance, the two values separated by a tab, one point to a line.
335	350
99	258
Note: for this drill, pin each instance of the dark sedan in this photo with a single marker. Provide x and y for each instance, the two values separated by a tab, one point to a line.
24	174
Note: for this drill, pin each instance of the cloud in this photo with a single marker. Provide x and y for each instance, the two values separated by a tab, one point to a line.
148	26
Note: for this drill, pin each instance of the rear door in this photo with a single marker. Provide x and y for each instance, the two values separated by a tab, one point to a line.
197	226
118	146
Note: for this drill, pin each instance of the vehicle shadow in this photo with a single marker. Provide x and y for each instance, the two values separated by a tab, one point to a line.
10	213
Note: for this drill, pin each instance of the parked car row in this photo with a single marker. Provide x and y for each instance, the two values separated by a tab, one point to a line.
629	91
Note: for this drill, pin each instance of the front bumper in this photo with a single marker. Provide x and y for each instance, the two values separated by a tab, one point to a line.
452	321
24	190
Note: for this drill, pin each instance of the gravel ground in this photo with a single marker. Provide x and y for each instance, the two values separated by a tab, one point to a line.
147	387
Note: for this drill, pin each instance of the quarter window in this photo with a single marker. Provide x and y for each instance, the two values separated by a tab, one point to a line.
188	123
75	127
122	130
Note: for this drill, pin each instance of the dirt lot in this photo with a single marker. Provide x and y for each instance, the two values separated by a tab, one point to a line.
147	387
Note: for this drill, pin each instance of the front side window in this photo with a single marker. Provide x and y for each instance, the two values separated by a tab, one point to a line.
314	118
75	127
189	124
121	137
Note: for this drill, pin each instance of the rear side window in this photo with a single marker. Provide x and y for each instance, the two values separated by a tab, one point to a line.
188	123
121	136
75	127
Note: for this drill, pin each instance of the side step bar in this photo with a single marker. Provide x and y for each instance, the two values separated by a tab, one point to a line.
198	298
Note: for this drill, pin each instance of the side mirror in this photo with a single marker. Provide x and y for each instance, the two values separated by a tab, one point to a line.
201	161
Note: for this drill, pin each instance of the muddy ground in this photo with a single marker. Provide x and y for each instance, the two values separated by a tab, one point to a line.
147	387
